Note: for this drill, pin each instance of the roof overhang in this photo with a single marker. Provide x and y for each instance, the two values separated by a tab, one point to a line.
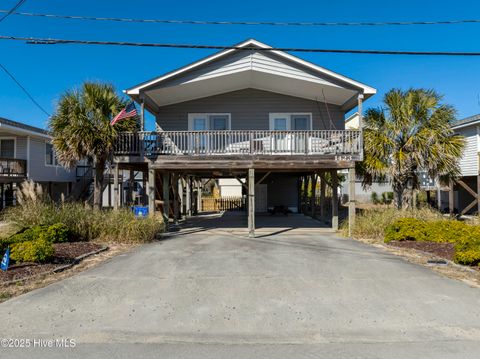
22	131
250	65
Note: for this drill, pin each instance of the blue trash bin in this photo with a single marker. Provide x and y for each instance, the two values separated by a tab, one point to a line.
140	211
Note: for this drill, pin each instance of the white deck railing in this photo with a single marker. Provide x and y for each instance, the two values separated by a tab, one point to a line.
240	142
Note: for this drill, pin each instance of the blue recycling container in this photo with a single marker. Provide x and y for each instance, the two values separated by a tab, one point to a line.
140	211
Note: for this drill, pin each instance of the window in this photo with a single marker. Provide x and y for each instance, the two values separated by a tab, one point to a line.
290	121
208	121
50	157
7	148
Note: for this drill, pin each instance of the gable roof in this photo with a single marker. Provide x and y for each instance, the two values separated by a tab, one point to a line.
299	69
22	128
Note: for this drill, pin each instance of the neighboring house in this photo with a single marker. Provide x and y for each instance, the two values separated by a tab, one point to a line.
230	187
462	199
26	152
248	112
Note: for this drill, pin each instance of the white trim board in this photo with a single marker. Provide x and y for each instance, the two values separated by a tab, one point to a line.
192	116
288	116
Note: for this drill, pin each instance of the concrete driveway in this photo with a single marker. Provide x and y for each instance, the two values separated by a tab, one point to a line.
205	292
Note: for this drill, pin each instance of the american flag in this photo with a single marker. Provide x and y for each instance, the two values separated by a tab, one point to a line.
128	111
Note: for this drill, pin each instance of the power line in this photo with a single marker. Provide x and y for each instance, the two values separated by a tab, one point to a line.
12	10
24	90
248	23
51	41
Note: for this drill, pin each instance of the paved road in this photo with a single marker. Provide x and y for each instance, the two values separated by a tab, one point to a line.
208	293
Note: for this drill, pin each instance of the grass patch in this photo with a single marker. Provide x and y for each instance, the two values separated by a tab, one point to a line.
85	223
371	223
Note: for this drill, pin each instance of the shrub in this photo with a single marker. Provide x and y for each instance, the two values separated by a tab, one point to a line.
58	233
38	251
406	229
467	248
371	224
374	198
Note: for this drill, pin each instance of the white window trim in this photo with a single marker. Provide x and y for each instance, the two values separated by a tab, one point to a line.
192	116
14	143
55	162
288	116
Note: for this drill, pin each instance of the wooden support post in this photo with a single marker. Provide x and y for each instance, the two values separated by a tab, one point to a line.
305	193
166	199
323	185
180	197
199	196
188	195
351	200
151	191
313	181
116	197
450	198
478	194
439	197
334	200
251	202
176	200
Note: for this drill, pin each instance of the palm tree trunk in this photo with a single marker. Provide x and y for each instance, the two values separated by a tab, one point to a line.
98	184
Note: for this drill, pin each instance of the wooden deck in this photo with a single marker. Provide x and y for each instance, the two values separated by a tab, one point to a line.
298	150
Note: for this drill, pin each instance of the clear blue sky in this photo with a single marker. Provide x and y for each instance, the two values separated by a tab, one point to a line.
47	71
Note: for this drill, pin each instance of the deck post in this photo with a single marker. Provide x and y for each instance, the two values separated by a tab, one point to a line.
251	202
323	186
450	198
151	191
116	197
131	185
334	200
199	196
176	206
351	200
166	199
478	194
180	197
439	196
313	180
188	199
305	194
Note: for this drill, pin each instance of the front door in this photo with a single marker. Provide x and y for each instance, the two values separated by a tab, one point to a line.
261	198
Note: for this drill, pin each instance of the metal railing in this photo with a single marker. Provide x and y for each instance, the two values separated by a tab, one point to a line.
240	142
12	167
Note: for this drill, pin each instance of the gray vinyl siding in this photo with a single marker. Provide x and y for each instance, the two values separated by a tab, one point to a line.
40	172
250	110
469	161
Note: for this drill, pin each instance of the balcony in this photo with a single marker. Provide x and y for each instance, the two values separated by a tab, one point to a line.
329	144
12	169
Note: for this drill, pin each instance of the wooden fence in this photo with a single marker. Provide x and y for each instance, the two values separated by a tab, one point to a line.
210	204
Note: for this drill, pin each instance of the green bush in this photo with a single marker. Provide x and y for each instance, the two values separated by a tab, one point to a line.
374	198
38	251
58	233
467	248
406	229
371	224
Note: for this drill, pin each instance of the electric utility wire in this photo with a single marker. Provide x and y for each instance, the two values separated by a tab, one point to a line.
51	41
12	10
24	90
248	23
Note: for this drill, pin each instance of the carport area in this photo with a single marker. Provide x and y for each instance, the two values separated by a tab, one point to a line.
266	224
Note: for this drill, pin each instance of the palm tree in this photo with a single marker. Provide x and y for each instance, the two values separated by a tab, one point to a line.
411	134
81	129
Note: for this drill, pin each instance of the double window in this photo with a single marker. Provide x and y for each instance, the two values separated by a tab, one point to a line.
7	148
290	121
209	121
